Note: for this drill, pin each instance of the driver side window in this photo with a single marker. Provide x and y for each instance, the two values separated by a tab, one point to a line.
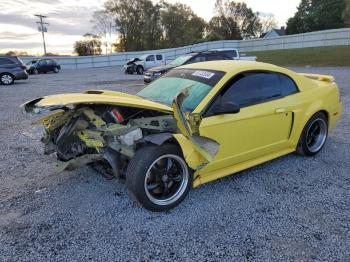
252	88
248	89
150	58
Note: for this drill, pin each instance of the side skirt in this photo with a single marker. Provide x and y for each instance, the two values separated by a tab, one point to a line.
214	175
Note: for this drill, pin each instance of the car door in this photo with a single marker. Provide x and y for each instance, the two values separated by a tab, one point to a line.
159	60
50	65
7	63
150	62
41	66
262	126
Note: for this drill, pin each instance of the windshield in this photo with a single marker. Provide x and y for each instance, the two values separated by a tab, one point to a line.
180	60
164	89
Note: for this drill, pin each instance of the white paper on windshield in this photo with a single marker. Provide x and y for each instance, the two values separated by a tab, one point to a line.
204	74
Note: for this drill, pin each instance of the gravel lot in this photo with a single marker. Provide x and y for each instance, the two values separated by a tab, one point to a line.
291	209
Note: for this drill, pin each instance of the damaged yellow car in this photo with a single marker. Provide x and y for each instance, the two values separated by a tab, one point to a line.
197	123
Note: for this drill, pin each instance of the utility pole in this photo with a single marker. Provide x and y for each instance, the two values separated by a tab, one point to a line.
42	29
110	35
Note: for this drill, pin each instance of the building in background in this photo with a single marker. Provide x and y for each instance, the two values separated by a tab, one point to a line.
274	33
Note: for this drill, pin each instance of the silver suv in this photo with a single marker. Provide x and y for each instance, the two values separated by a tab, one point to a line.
11	69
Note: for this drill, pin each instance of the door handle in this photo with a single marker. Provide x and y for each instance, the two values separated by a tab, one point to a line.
280	110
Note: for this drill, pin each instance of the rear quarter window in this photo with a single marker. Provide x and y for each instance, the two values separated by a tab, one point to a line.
288	87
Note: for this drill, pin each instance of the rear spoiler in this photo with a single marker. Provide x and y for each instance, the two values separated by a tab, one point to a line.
324	78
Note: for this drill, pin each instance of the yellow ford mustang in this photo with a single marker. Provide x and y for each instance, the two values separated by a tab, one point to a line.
198	123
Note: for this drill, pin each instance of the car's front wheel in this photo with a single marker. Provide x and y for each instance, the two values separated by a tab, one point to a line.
6	79
56	70
139	70
314	135
158	177
35	71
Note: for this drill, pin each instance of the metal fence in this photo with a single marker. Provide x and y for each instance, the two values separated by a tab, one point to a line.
333	37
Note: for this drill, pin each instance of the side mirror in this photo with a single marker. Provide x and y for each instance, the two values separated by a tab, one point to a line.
226	108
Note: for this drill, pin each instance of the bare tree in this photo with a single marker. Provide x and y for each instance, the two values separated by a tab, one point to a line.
103	25
267	21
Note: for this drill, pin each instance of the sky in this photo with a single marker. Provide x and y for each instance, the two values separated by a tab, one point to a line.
70	19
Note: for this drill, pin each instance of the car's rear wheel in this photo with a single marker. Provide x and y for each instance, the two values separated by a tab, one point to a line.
139	70
314	135
158	177
56	70
6	79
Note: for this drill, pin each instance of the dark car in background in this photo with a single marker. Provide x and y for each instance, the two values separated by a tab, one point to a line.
43	66
190	58
11	69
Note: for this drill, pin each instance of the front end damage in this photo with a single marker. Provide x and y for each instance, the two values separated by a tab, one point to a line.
107	135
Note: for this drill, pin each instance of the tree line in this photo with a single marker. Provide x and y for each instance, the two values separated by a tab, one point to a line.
146	25
315	15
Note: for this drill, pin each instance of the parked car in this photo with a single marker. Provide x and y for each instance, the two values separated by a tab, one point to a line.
11	69
196	124
142	63
190	58
43	66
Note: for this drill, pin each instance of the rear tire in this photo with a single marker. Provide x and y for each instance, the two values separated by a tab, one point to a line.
314	135
6	79
158	177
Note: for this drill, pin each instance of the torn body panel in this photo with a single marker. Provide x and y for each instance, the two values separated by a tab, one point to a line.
206	147
84	129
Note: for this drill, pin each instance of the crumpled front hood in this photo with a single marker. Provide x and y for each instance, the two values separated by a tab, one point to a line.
133	60
92	97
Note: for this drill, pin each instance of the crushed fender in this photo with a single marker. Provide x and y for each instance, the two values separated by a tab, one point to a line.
91	128
206	147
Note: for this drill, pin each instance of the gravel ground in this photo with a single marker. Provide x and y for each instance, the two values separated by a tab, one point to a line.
290	209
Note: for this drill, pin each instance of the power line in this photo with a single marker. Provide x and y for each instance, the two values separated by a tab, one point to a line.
42	29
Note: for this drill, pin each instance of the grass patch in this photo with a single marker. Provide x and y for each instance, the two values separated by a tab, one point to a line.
315	56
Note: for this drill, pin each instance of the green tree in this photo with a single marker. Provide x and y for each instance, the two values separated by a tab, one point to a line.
313	15
181	26
223	28
233	20
346	14
90	45
137	22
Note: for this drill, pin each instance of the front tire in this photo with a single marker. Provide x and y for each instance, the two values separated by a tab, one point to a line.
158	177
6	79
314	135
139	70
56	70
35	71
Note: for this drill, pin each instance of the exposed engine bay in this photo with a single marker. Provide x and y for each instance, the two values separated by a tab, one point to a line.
103	134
